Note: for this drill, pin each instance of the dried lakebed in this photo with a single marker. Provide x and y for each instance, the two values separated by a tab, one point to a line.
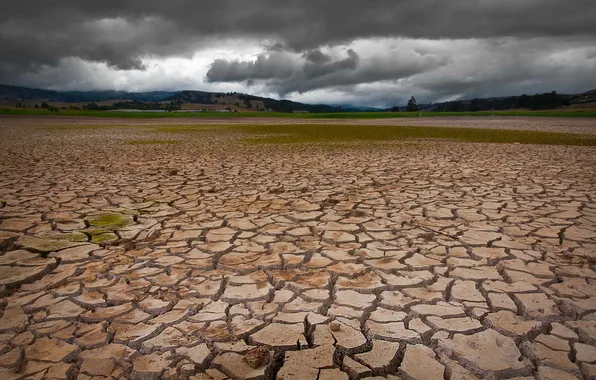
211	258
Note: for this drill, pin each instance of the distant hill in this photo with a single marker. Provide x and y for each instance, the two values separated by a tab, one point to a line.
16	96
356	108
181	99
544	101
24	93
246	101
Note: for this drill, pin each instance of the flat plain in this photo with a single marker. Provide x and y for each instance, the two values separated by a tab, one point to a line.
421	248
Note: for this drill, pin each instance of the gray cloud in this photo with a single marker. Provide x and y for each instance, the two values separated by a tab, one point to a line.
317	57
274	65
460	48
431	70
121	32
285	73
318	68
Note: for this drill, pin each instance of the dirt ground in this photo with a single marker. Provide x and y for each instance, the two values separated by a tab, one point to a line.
213	259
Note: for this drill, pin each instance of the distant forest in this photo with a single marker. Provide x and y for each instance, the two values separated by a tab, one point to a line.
548	100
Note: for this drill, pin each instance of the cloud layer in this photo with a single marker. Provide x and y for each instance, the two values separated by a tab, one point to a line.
298	49
286	72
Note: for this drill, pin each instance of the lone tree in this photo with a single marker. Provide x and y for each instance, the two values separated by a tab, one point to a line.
412	107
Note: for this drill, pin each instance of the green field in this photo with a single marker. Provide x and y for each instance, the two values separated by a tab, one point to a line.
336	115
324	133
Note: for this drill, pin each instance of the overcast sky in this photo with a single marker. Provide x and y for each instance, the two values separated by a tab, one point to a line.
366	52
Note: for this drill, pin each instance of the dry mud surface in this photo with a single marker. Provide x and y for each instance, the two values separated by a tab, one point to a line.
212	259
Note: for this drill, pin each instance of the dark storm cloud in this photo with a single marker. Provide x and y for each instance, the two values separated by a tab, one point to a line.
344	47
314	69
287	72
431	70
317	56
274	65
120	32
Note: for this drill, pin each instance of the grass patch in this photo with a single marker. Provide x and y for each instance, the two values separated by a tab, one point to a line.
334	115
151	142
304	133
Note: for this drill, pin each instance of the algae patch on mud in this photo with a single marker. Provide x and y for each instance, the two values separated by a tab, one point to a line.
110	221
104	238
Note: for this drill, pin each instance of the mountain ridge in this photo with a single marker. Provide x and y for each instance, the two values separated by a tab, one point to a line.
234	101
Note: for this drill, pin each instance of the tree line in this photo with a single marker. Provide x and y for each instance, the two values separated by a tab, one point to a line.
544	101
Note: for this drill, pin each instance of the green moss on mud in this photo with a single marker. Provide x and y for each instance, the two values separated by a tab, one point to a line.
110	221
104	238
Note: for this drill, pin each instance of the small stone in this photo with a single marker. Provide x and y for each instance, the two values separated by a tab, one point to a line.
257	357
334	326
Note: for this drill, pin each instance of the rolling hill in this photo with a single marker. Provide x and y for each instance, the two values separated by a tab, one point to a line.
24	97
29	97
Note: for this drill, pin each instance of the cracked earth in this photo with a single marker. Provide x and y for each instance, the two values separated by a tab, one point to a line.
213	259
